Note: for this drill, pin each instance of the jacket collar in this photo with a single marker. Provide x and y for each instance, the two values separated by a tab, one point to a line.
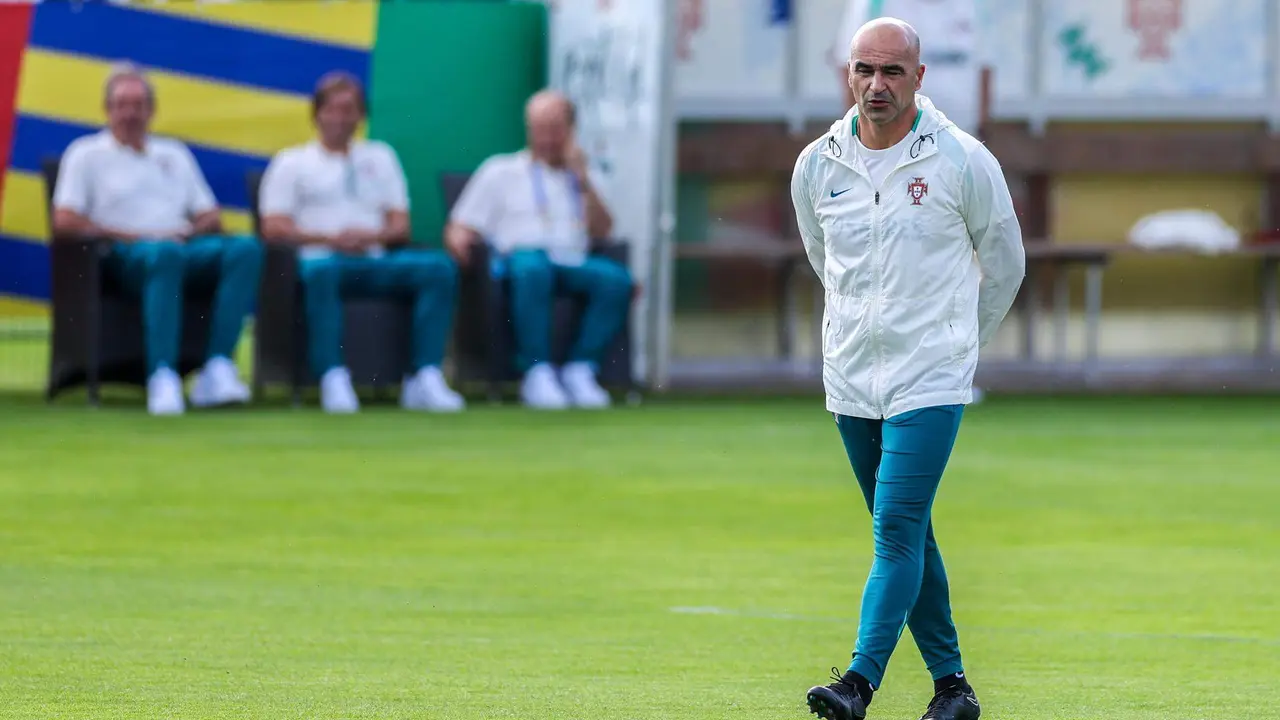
839	143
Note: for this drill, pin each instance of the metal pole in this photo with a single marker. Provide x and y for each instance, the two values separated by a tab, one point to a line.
661	315
1093	314
1061	309
1268	311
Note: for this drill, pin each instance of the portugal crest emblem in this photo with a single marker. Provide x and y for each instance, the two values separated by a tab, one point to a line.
917	189
1155	22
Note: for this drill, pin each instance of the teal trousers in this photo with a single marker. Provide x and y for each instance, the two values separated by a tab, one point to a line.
158	271
428	277
899	463
535	280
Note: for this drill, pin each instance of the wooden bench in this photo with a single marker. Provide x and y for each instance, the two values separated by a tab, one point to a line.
782	255
1032	160
1059	259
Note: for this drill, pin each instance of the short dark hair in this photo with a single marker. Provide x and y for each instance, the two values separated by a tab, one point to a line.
335	82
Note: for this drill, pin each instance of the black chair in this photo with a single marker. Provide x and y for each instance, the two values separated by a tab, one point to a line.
484	337
97	333
376	338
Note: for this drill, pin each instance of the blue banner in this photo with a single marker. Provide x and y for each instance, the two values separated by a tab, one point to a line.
779	12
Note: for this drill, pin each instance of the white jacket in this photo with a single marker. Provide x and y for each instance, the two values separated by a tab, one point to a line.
917	273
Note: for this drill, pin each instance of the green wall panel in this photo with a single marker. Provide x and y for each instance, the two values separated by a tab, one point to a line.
449	80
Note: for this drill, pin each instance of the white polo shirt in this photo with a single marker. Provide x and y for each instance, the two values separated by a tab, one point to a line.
326	193
154	192
516	202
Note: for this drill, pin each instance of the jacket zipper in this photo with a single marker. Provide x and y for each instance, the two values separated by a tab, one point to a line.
881	408
875	305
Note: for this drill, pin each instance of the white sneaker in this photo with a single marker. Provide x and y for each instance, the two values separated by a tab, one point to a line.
336	393
580	382
427	390
164	393
219	384
541	390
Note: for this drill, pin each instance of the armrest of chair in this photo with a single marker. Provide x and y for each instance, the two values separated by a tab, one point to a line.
615	249
278	322
76	284
478	303
481	257
76	269
619	251
279	285
281	259
475	279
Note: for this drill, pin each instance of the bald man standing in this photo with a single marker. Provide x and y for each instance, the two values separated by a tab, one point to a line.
949	29
908	223
539	210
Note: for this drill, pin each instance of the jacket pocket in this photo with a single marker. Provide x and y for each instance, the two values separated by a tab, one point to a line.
961	331
832	330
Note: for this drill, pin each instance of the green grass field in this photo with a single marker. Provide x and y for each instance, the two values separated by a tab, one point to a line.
1110	560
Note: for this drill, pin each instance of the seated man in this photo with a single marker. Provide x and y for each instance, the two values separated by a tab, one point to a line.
539	209
344	202
148	195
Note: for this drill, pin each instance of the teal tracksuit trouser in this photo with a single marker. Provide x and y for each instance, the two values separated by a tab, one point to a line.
899	462
428	277
159	270
535	279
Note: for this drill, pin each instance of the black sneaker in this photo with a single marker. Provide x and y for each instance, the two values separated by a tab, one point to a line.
838	701
957	702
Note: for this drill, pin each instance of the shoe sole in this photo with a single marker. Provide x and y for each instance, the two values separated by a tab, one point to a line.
818	706
433	408
203	400
206	404
545	408
975	716
968	712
